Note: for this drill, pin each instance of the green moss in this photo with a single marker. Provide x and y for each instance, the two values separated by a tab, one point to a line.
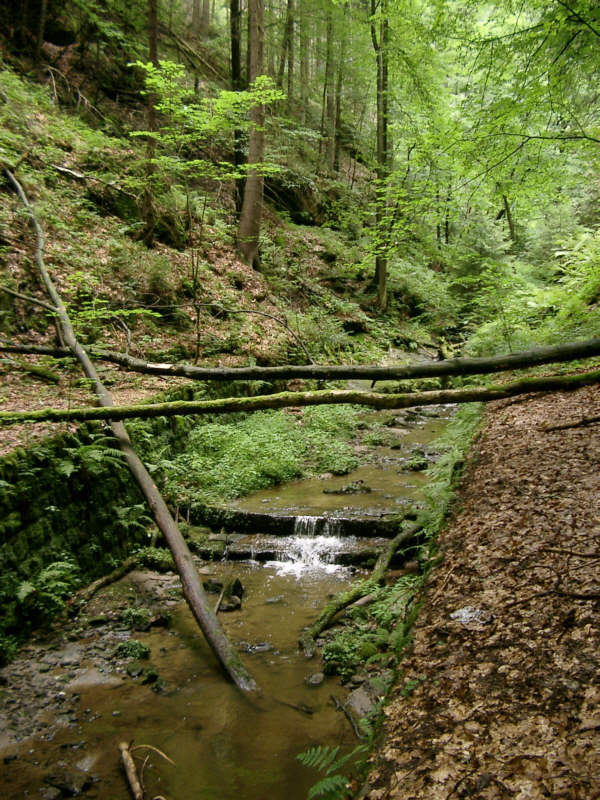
132	648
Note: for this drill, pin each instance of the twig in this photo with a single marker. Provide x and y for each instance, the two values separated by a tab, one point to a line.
554	592
83	596
443	586
154	749
458	783
569	552
218	603
303	709
279	320
81	176
348	715
125	328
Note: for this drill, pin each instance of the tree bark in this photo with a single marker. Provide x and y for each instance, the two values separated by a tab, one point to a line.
205	18
338	102
329	99
131	772
304	61
552	354
192	586
291	23
148	211
196	17
509	219
237	84
41	30
475	394
251	213
379	38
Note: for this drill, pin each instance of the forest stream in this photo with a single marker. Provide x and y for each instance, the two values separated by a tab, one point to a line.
72	695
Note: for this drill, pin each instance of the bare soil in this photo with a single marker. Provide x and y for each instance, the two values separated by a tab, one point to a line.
499	696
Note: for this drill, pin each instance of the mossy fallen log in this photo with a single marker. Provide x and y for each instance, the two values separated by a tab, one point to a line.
475	394
537	356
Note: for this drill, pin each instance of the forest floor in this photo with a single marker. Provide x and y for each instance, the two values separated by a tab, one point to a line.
499	695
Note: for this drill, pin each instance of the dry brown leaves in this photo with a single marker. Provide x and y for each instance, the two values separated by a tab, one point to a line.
507	697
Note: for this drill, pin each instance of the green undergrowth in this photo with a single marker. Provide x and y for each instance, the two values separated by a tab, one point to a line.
311	278
69	512
234	455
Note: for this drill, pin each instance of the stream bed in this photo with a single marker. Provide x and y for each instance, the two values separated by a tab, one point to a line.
71	695
68	700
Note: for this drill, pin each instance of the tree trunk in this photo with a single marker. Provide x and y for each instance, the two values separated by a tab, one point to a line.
285	42
475	394
379	38
551	354
205	18
304	62
148	212
196	17
338	102
237	84
329	98
251	213
41	30
290	52
509	219
192	586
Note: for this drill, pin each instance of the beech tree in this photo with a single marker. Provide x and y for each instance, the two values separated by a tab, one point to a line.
251	213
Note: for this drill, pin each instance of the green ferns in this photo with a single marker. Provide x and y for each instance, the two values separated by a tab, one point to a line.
334	785
45	596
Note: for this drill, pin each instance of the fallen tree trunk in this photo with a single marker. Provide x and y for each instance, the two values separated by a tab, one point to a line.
192	587
344	599
433	369
474	394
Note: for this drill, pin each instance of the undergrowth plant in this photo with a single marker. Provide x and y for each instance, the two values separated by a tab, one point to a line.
232	457
334	784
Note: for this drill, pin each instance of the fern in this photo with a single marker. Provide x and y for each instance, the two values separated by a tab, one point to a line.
333	786
319	757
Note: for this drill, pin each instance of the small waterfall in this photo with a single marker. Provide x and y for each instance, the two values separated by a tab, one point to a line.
306	526
313	546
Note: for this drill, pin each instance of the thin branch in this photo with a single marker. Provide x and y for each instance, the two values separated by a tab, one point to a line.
28	299
571	137
340	707
281	321
154	749
579	17
571	552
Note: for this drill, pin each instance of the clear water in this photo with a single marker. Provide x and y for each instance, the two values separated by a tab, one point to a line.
226	746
